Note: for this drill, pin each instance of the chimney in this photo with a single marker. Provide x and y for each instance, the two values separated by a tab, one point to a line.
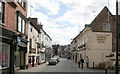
40	26
34	20
87	25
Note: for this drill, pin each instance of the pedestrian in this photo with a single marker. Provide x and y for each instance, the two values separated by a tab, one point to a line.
79	62
82	63
87	62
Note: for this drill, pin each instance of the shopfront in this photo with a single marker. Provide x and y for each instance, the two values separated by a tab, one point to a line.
7	42
4	55
20	51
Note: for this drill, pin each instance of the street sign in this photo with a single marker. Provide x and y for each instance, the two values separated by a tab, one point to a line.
18	40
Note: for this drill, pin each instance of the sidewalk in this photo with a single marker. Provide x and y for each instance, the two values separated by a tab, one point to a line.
33	69
85	69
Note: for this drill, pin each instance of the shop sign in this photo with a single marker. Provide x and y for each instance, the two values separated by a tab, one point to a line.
101	38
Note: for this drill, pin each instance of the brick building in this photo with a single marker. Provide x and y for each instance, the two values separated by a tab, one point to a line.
105	21
13	26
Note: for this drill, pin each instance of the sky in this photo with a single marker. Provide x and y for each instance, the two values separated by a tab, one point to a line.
64	19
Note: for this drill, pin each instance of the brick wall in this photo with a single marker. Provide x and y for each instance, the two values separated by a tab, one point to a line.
10	15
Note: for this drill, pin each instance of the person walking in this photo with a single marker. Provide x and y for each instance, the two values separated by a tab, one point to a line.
79	62
87	62
82	63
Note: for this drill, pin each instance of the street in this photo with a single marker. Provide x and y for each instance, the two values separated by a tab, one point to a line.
63	66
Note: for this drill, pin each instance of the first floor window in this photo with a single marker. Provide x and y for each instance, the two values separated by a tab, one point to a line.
21	25
1	12
4	55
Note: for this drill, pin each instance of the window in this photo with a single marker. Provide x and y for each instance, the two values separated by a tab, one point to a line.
30	28
106	27
21	25
22	2
30	43
4	55
1	12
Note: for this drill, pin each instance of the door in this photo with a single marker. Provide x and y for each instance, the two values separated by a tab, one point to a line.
22	58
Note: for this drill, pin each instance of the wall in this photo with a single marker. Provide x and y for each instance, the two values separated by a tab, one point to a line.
96	51
10	16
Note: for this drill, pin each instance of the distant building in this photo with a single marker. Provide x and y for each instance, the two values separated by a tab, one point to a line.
46	50
94	44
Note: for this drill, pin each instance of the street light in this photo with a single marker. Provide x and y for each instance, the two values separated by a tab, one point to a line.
116	70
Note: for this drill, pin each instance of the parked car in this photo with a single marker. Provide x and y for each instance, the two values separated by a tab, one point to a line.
52	61
57	58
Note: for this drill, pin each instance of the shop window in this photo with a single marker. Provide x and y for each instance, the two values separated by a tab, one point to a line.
4	55
1	12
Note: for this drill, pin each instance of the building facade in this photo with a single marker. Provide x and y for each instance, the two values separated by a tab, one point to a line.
95	45
46	50
33	47
14	33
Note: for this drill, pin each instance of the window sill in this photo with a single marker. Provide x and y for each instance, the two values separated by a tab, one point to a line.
2	24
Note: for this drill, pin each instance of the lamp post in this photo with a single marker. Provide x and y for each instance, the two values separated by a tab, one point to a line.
116	70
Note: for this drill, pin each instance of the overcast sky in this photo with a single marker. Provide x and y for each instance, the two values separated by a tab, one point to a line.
64	19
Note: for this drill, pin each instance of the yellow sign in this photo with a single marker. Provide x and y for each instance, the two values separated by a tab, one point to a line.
16	53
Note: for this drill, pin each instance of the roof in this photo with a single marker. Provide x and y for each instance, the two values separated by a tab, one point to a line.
101	13
33	23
